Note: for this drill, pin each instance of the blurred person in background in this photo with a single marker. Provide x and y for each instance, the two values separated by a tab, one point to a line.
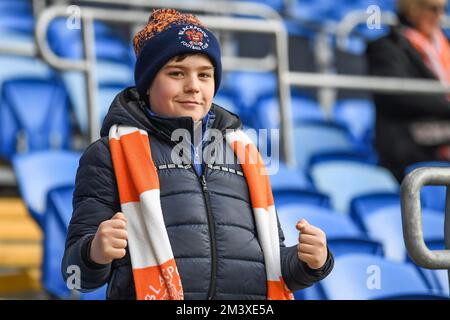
412	128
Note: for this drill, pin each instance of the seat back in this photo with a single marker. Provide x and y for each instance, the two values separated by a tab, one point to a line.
39	172
366	277
344	180
385	225
56	221
312	137
35	116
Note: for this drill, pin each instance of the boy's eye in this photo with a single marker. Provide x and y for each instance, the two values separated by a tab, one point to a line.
175	73
205	75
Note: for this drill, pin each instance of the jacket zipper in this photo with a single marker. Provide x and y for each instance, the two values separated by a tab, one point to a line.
211	228
212	236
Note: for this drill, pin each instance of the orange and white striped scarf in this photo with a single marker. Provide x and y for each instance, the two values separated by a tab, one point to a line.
155	272
435	53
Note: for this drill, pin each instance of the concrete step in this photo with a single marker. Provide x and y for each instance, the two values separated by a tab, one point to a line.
16	230
20	252
20	284
20	255
13	208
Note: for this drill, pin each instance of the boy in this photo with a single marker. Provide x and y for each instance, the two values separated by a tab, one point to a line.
189	229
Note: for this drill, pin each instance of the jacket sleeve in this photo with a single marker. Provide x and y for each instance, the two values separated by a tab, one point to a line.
95	200
385	59
296	273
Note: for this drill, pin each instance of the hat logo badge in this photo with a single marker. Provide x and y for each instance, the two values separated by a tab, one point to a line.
194	38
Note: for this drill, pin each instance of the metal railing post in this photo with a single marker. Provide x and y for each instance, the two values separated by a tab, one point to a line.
412	218
284	94
90	73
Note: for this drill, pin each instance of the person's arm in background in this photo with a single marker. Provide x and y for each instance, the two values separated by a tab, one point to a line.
309	261
385	59
95	200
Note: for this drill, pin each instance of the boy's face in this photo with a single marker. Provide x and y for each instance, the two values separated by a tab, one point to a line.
183	88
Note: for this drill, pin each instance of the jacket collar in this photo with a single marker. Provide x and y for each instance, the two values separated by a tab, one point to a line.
170	124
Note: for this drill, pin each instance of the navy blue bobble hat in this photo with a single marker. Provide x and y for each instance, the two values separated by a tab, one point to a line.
167	34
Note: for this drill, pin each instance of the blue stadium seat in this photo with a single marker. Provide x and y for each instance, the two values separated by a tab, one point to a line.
38	172
354	156
313	137
284	177
267	111
438	279
229	101
23	23
106	96
284	197
362	206
343	235
106	49
67	42
23	67
34	115
344	180
311	11
15	8
369	277
55	224
432	197
358	115
250	86
110	75
277	5
385	225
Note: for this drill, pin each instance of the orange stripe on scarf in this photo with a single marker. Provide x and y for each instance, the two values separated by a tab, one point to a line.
160	282
256	175
131	179
261	196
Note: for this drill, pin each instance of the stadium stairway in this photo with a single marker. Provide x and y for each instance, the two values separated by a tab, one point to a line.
20	251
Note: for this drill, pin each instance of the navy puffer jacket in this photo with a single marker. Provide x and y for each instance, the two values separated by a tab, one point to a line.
209	219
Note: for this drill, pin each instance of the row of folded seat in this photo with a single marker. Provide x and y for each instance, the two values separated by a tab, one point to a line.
369	228
37	112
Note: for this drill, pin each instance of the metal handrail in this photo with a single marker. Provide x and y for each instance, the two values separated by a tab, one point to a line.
412	218
218	7
285	78
365	83
264	64
357	17
29	51
274	27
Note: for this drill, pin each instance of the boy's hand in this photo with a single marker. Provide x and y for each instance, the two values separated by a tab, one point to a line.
110	240
312	245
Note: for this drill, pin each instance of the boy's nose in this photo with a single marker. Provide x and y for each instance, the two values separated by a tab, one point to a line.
192	85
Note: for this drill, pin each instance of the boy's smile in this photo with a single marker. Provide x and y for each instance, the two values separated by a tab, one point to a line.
183	88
